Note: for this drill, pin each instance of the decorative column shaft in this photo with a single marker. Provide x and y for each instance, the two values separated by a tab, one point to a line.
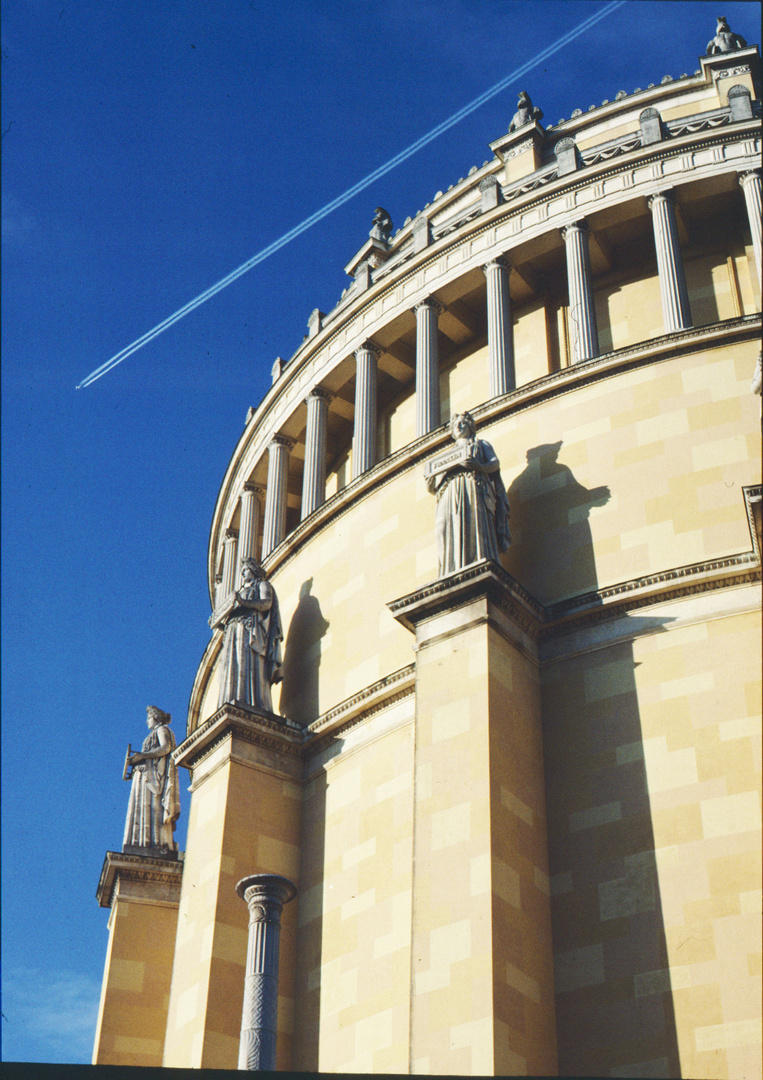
499	334
229	564
584	337
364	441
265	895
248	526
427	367
275	499
675	297
314	478
751	186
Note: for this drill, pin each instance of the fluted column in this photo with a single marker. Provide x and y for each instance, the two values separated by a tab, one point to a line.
751	186
427	366
265	895
274	527
364	441
500	339
229	564
314	477
584	337
670	267
248	526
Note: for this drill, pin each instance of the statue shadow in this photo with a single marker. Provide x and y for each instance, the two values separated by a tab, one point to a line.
551	550
614	1003
300	700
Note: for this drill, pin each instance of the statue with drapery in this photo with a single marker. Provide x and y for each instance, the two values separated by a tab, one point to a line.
154	805
472	516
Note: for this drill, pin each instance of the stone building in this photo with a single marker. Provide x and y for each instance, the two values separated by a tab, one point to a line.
520	803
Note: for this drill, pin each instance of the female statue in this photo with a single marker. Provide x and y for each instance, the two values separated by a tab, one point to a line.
251	658
154	805
472	518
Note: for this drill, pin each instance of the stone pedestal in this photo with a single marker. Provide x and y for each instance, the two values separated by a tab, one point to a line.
521	151
265	896
482	997
245	818
143	893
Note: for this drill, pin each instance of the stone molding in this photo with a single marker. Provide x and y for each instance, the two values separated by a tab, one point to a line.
158	880
254	726
359	707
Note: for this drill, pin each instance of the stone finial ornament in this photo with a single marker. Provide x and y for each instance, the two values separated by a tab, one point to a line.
526	112
725	40
472	516
251	653
154	805
381	226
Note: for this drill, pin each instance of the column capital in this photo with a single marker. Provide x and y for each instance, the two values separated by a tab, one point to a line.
431	304
499	263
281	440
254	489
319	393
260	890
668	194
575	226
230	534
369	347
749	176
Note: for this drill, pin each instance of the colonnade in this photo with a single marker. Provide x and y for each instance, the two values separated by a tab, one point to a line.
583	345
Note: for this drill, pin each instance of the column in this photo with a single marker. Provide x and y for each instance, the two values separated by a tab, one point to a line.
248	526
229	564
499	334
584	337
364	441
314	478
675	297
265	895
751	186
275	498
427	367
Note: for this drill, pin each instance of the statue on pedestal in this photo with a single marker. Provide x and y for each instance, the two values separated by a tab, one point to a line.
251	656
154	805
526	112
472	517
725	40
381	226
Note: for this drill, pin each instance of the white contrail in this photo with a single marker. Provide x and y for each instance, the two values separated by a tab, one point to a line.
350	192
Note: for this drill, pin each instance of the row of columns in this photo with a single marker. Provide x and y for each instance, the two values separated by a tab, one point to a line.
584	345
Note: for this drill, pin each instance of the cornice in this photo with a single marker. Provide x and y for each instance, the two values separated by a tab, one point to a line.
360	707
255	726
140	868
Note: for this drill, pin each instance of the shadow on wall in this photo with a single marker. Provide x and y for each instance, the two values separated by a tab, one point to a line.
302	659
551	551
614	1004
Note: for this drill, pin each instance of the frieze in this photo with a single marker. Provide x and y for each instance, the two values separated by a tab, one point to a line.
743	69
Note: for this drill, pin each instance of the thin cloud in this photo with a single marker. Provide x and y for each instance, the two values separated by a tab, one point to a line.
54	1011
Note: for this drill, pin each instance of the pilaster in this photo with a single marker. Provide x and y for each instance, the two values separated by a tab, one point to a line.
143	893
482	996
246	772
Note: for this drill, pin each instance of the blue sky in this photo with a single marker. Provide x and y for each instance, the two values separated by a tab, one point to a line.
149	148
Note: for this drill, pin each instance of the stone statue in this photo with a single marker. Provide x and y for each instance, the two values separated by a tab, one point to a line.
526	112
154	805
725	41
251	656
381	226
472	517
